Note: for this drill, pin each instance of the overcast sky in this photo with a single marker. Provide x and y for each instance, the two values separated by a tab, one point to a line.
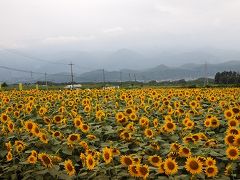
114	24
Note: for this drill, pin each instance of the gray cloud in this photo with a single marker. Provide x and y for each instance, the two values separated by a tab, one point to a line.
113	24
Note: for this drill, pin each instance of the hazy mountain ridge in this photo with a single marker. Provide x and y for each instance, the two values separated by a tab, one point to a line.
133	65
158	73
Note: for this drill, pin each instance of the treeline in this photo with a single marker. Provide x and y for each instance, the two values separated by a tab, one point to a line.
227	77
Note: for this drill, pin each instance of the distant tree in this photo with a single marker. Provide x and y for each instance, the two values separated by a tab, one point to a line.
4	84
227	77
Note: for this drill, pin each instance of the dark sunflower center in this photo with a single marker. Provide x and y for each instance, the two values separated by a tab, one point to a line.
170	125
194	165
128	161
143	170
170	165
210	170
232	152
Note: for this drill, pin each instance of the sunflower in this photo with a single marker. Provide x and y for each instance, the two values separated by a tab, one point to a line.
107	155
148	133
45	160
161	168
58	119
136	159
132	169
233	123
9	156
155	122
155	160
42	111
29	125
184	152
155	146
68	165
119	116
207	123
4	117
211	171
19	148
18	142
56	159
210	161
170	127
36	130
130	126
233	130
229	139
144	121
228	170
10	125
87	109
143	171
237	140
43	138
129	111
47	120
193	165
90	162
57	134
228	114
77	122
126	160
214	122
83	158
8	146
34	153
91	137
175	147
190	124
133	116
170	166
193	104
85	128
125	135
73	138
100	115
84	144
232	153
32	159
116	152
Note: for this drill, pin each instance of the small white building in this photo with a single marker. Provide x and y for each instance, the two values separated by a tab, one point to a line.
74	86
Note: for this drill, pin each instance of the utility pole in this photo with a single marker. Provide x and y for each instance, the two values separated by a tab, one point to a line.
135	77
121	78
31	77
46	84
206	74
129	77
71	64
103	73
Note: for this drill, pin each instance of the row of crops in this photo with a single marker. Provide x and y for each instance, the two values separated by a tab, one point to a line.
120	134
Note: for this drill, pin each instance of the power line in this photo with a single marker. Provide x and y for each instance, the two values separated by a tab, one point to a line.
31	57
40	59
29	72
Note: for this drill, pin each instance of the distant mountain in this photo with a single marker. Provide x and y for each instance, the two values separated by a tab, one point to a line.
161	72
159	65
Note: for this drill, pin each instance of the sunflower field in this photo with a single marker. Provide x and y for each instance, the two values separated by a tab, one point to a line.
168	133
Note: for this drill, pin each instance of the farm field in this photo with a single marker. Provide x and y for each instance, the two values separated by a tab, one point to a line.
120	134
